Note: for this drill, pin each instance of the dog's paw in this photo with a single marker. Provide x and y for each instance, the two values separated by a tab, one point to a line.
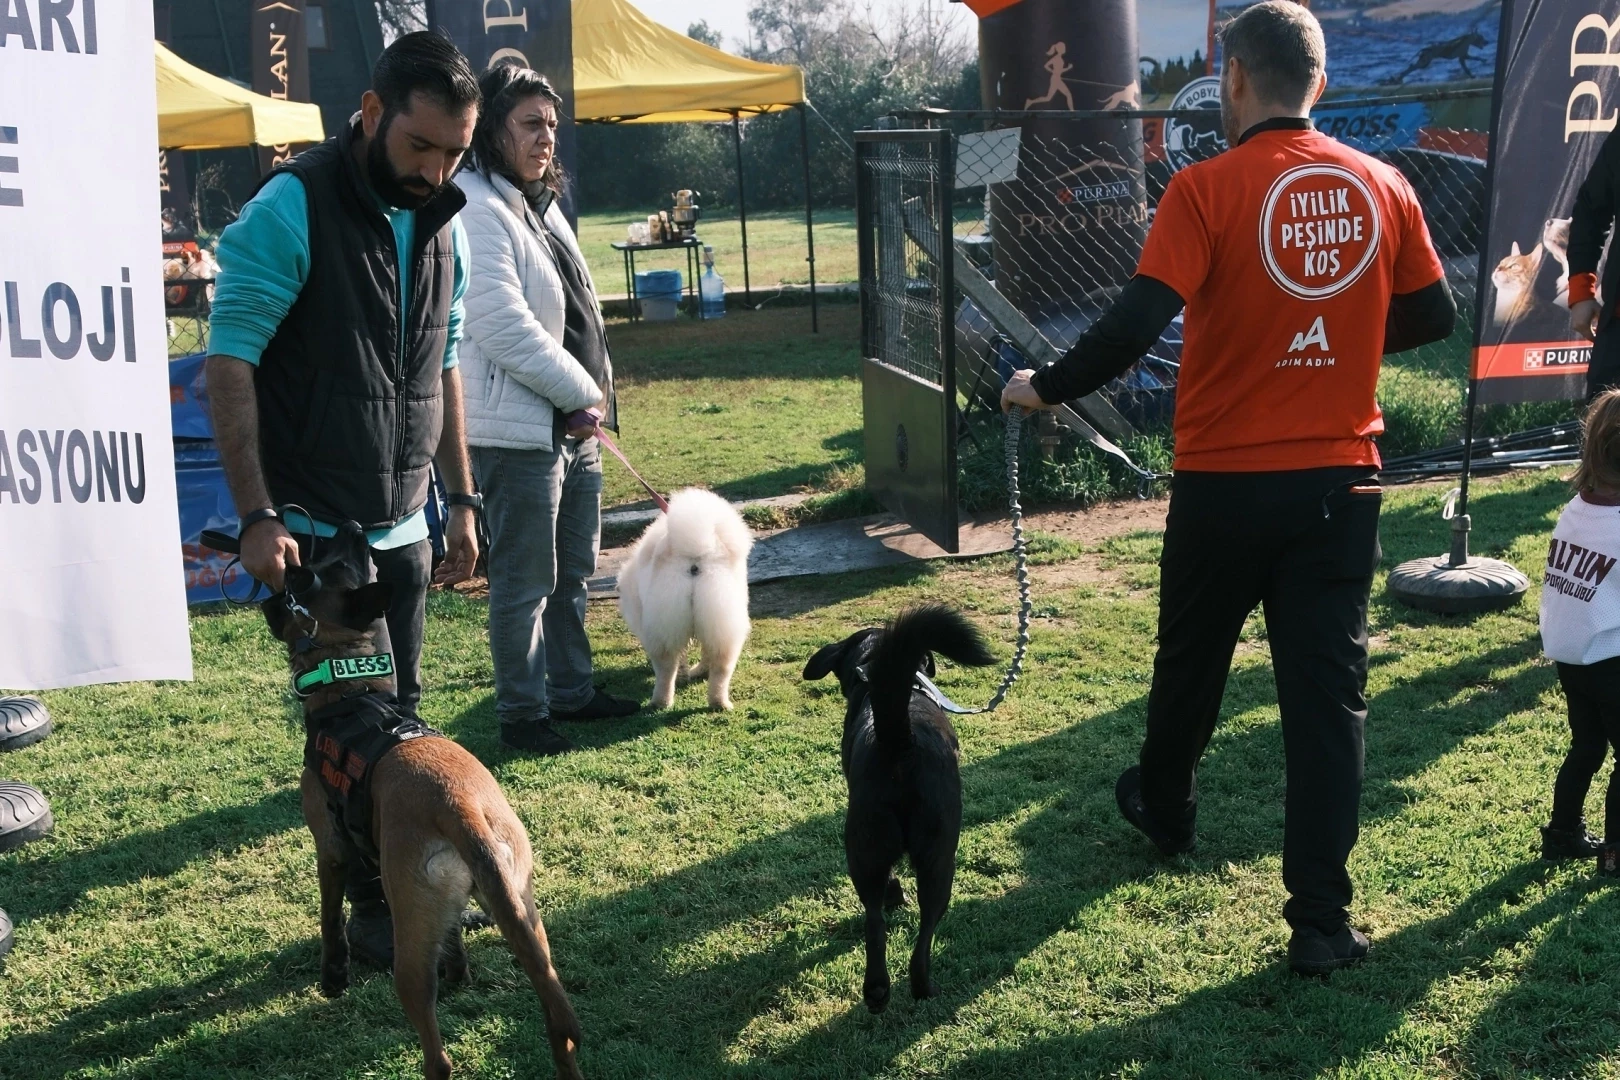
334	981
924	988
877	997
894	896
720	705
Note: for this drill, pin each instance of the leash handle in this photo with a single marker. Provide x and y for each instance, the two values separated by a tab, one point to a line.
613	448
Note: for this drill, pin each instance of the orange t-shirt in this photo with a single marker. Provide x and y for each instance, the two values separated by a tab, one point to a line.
1287	249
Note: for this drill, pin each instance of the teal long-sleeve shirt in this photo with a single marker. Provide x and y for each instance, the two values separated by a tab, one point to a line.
263	264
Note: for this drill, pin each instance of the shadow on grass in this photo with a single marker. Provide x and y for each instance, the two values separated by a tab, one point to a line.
55	882
668	974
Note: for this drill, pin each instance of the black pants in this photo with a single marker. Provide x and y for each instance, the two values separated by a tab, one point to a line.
1303	546
1593	693
409	569
1603	373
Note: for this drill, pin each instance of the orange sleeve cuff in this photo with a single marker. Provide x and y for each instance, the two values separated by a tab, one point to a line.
1582	287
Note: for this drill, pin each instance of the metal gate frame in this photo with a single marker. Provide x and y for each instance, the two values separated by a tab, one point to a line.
909	417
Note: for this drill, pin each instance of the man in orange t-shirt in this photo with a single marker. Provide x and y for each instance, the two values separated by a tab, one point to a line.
1300	262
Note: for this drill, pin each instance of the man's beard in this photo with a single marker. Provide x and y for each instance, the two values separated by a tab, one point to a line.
1229	123
389	184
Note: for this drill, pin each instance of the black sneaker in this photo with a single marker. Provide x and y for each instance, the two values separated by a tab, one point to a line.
371	938
1311	952
1574	843
1608	860
1128	793
534	737
602	706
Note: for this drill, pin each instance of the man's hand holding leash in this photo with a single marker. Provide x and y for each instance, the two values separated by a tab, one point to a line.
267	550
1583	316
1018	391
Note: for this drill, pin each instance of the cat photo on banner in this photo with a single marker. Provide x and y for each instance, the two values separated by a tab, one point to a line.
1526	282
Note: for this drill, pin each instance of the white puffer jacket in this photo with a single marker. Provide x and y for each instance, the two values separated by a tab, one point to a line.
515	372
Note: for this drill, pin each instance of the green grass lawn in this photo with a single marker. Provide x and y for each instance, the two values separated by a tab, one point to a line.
776	248
751	405
690	869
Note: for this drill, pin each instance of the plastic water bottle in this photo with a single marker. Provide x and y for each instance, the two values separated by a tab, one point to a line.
711	288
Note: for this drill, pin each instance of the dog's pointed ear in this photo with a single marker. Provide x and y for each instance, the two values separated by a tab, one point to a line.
367	604
928	664
826	659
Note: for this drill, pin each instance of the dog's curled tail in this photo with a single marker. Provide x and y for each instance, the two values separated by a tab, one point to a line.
702	526
520	925
906	642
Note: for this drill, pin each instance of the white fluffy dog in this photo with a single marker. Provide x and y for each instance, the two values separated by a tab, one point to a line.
687	578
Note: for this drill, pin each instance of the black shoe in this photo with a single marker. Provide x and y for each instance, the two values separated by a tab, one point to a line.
602	706
1311	952
1608	860
5	934
534	737
371	938
1128	793
1574	843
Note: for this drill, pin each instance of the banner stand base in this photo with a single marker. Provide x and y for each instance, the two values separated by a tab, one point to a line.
1457	583
24	815
24	721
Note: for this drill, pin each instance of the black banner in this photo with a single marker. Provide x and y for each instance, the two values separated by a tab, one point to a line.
280	63
536	33
174	191
1557	99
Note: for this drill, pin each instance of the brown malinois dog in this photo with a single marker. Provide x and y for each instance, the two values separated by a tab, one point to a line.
435	819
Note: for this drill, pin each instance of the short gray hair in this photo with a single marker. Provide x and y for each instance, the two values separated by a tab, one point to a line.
1280	46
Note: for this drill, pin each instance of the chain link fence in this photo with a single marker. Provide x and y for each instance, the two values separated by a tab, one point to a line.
1053	213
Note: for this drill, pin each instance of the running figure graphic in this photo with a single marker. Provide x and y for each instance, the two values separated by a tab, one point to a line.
1056	65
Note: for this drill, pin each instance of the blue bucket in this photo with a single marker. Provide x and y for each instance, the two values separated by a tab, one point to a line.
658	284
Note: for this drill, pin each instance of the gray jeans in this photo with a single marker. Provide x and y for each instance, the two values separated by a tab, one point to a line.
544	512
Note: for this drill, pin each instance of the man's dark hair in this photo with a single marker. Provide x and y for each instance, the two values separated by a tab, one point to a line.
427	63
503	86
1280	46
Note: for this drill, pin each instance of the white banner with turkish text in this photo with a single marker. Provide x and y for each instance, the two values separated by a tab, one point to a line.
91	583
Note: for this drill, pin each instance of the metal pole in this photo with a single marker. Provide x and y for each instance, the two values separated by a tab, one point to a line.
809	230
742	209
1461	523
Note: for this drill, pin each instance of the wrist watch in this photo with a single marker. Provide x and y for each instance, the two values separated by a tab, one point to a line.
475	500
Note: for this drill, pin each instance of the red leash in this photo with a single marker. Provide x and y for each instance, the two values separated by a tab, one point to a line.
607	441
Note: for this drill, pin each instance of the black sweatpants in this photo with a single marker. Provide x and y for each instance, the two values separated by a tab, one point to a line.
1303	546
1593	693
409	569
1603	373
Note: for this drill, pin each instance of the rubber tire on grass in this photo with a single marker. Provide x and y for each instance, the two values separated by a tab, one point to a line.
24	721
24	815
5	935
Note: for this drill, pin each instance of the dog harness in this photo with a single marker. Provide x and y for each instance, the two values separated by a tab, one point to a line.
343	743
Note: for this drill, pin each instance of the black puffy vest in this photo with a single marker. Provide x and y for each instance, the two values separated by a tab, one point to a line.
347	428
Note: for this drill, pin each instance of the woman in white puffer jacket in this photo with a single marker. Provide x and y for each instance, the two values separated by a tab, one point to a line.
537	377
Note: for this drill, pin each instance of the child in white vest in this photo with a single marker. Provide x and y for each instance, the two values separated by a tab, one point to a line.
1580	630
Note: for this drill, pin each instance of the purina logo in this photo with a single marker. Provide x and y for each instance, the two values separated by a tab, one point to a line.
1541	359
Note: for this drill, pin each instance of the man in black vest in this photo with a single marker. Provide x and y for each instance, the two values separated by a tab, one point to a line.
332	368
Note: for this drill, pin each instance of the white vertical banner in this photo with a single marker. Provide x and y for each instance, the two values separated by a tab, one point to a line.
91	583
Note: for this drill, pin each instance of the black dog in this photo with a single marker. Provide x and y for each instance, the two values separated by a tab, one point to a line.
900	760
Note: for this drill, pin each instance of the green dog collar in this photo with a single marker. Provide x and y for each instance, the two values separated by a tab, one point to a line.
343	668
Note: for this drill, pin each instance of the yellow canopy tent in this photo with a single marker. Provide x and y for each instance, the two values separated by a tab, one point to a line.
199	111
629	69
